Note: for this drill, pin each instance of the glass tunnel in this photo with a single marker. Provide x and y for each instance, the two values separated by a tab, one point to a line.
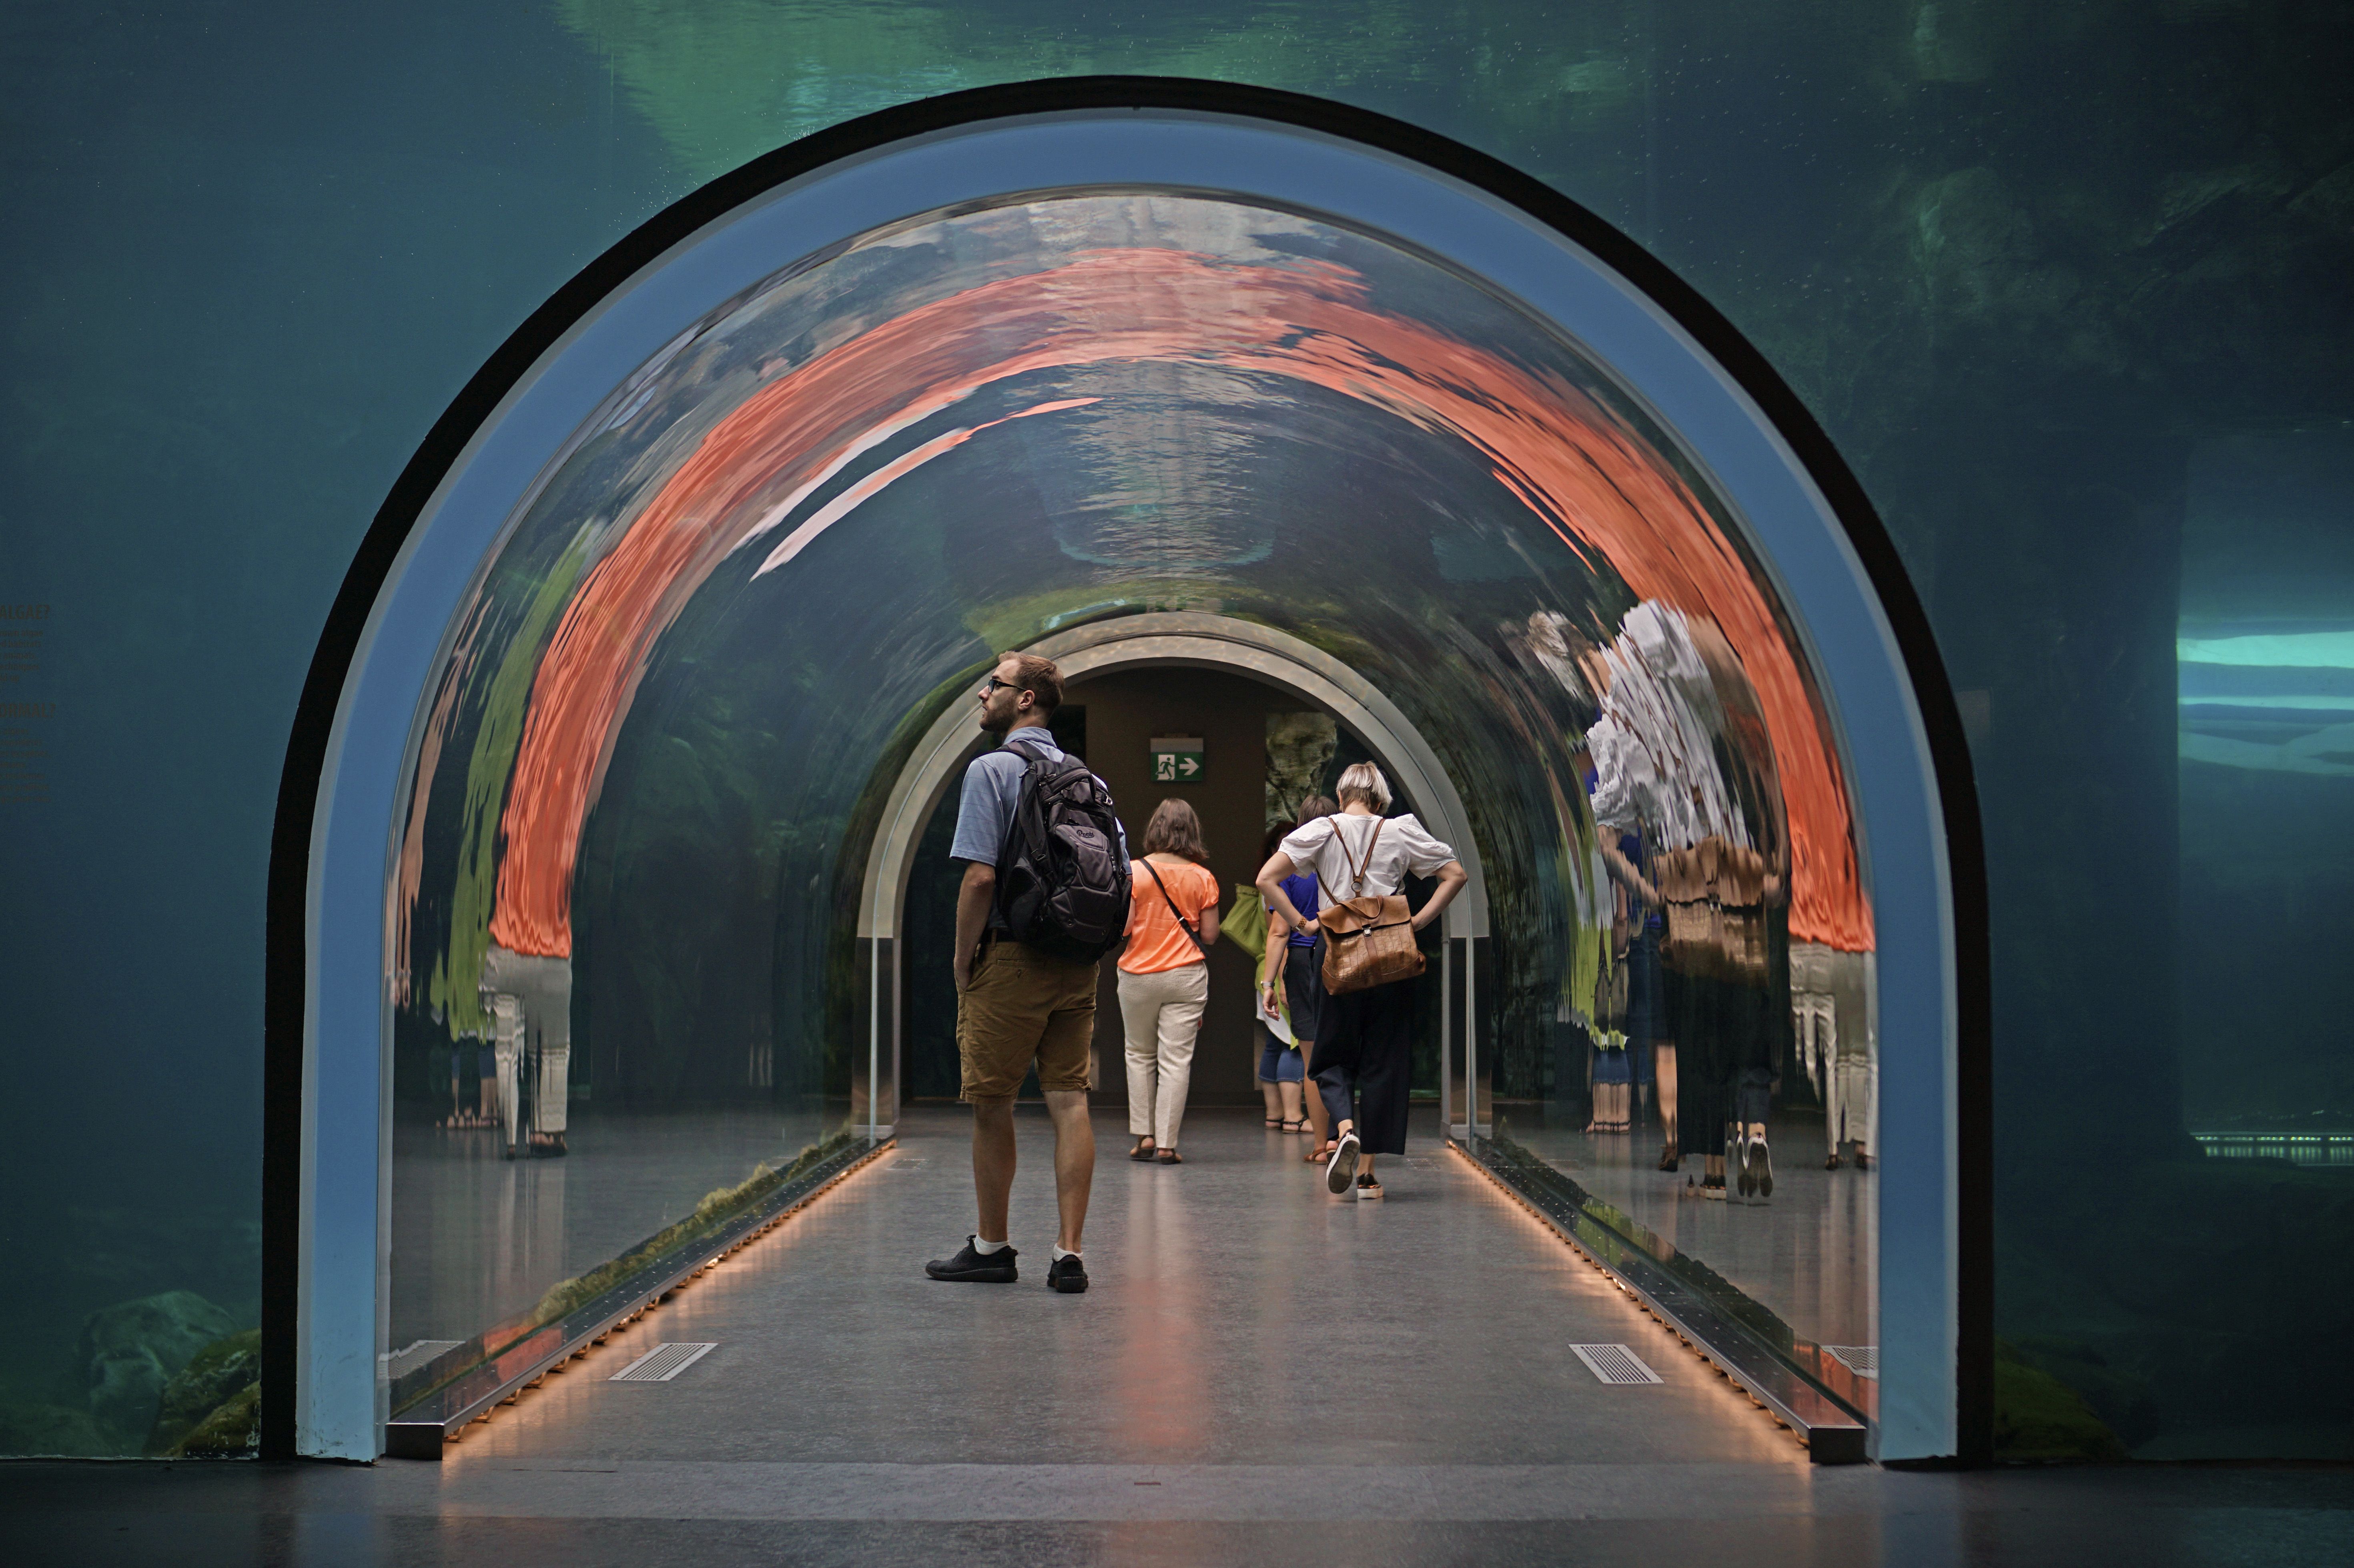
668	899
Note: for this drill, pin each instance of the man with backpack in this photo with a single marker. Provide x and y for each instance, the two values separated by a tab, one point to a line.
1044	898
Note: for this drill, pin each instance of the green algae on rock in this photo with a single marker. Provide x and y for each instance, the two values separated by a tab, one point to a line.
216	1377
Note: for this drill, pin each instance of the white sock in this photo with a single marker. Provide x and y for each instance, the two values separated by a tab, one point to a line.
1058	1255
986	1248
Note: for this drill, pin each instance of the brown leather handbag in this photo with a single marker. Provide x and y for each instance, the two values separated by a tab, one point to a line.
1368	941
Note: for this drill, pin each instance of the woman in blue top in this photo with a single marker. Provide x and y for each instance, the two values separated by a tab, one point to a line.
1292	963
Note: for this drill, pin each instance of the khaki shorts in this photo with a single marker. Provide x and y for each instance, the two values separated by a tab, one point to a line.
1025	1005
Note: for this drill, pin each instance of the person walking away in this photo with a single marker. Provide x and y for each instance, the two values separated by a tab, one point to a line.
1364	1038
1164	976
1293	962
1281	1067
1031	928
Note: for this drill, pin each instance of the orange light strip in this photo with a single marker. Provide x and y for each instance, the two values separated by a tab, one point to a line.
1700	1351
594	1343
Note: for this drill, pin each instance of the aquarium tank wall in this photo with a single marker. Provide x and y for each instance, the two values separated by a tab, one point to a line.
2071	287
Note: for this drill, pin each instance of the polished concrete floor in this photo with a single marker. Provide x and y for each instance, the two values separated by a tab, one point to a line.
477	1239
1260	1374
1805	1252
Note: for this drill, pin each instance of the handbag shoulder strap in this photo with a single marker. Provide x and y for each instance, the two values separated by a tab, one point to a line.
1188	924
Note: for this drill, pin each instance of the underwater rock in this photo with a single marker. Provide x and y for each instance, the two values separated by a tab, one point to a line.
216	1376
232	1432
1299	749
130	1350
53	1431
2330	200
2039	1418
2120	1398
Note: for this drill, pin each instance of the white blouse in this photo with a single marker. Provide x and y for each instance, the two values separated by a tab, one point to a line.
1654	760
1330	846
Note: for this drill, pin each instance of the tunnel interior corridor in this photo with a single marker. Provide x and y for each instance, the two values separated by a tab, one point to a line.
663	920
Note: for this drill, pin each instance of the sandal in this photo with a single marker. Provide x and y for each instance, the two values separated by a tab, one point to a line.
1143	1150
1169	1157
1274	1121
1300	1125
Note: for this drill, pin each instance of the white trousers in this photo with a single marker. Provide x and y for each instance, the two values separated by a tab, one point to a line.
549	1106
506	1050
1854	1085
1162	1016
540	988
1816	1017
1834	996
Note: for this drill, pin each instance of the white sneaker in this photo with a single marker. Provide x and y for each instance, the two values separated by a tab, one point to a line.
1340	1170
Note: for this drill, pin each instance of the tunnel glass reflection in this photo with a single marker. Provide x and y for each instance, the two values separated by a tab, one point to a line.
625	976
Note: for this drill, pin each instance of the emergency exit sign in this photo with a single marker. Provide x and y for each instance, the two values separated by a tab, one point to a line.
1177	759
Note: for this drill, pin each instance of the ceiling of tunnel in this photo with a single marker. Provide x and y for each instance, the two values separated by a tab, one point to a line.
783	544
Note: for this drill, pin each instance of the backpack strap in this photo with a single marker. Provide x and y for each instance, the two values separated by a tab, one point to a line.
1198	943
1357	868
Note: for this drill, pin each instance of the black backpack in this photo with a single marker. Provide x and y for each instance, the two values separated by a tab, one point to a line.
1062	882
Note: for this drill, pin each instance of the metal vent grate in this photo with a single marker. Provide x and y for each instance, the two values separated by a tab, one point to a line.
1615	1365
1861	1359
663	1362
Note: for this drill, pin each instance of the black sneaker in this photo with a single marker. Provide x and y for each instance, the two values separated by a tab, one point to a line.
1068	1275
975	1267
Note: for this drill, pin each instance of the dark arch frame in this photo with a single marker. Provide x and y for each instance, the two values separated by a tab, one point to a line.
286	976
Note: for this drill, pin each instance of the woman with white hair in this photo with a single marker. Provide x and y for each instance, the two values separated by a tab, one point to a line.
1365	1039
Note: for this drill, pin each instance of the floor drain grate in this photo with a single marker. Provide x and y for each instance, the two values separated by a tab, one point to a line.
1861	1359
1615	1365
663	1362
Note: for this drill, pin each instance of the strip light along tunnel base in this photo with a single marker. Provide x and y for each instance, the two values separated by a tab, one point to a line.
614	756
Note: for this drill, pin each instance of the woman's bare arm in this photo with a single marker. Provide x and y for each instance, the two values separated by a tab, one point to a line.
1451	880
1270	888
1271	972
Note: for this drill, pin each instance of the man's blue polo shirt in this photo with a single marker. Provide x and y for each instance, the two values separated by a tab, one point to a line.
992	787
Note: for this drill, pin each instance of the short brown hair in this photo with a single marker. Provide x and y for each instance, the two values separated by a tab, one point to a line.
1175	830
1037	676
1314	807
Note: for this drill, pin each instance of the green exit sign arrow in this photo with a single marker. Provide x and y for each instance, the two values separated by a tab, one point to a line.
1177	759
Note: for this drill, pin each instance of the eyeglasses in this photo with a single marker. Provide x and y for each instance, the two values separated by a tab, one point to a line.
990	689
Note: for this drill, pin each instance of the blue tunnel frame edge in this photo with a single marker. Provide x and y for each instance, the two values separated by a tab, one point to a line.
1953	1423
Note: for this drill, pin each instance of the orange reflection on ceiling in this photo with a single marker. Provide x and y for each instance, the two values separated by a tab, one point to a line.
1562	456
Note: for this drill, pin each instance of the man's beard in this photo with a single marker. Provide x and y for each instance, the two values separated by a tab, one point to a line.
991	724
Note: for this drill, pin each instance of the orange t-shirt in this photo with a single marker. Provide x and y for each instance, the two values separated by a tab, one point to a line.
1155	940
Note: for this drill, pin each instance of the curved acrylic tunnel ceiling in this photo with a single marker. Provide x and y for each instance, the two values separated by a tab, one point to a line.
773	500
994	420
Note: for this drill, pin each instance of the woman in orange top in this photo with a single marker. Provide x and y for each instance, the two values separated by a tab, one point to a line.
1164	975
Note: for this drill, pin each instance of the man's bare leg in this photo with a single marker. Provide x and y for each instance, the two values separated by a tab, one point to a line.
1075	1162
993	1164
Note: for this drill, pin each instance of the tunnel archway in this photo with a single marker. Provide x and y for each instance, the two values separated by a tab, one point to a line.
1156	640
1095	248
